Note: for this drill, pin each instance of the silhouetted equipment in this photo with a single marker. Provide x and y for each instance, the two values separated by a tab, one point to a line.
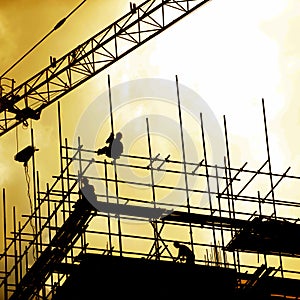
27	113
92	56
269	236
25	154
55	252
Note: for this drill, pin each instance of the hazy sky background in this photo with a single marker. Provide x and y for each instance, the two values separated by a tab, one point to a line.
232	53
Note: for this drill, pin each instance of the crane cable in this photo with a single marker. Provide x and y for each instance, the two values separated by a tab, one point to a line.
58	25
27	178
17	139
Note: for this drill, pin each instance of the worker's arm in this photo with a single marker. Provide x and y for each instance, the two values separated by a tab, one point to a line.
110	138
179	257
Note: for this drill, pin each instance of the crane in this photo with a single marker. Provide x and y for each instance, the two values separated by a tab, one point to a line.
62	75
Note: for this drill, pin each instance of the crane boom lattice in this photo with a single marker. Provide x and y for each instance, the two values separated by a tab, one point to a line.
27	100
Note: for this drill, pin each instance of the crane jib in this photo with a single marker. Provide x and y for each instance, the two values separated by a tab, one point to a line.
88	59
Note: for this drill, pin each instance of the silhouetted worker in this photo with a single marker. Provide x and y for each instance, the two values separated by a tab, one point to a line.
114	148
88	190
133	8
184	253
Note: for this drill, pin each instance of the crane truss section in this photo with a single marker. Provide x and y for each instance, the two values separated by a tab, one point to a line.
143	22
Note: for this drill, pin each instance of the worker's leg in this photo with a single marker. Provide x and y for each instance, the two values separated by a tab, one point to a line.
102	150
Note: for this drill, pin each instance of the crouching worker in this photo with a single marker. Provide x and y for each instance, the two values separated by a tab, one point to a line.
114	149
184	253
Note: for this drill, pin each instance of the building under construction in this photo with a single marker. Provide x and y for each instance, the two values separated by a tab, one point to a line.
119	242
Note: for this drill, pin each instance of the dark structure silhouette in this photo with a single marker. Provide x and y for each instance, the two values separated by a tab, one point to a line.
184	253
114	148
74	64
267	235
77	250
62	259
53	255
25	154
171	280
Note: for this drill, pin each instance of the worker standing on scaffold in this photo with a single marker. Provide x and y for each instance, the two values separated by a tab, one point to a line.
114	148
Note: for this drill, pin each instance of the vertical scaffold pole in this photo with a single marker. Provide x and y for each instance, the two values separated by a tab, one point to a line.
153	190
5	246
184	161
229	184
107	200
207	177
220	215
269	157
115	164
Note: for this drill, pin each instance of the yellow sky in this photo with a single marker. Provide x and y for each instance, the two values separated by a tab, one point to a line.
232	53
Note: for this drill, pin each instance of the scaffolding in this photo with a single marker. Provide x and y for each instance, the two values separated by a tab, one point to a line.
238	225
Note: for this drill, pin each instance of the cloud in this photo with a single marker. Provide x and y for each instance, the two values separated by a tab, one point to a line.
284	31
